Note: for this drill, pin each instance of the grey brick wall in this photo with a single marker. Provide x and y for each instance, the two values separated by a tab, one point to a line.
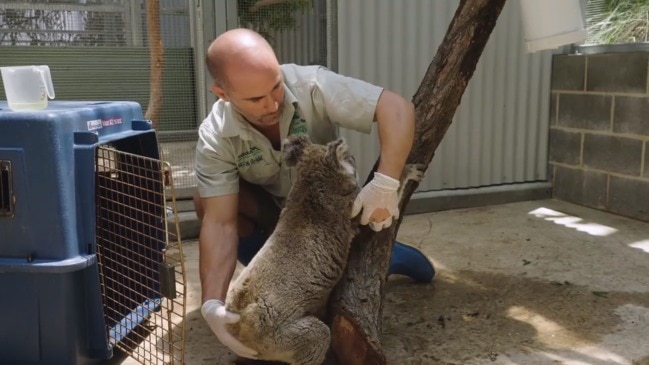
599	131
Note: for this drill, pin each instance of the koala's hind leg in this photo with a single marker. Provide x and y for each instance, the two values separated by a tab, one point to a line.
308	339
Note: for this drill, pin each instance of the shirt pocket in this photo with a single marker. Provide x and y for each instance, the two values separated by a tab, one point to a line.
263	173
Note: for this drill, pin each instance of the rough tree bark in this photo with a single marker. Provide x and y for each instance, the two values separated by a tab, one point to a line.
357	302
156	60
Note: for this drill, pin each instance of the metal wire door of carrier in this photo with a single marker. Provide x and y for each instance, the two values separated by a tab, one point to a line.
140	260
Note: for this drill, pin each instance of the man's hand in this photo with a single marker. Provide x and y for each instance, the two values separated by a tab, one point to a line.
379	202
217	317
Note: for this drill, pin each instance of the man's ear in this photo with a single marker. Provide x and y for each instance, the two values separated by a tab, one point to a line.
294	147
219	92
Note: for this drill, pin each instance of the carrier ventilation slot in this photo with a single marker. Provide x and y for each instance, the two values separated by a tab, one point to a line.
6	190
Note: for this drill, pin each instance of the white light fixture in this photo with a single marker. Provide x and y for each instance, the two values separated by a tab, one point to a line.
549	24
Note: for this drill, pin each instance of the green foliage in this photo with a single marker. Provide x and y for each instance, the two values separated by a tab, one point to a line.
621	21
277	16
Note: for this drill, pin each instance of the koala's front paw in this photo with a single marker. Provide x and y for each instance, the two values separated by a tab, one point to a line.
414	171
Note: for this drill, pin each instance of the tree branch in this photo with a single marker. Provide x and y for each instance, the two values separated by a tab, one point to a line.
156	60
356	305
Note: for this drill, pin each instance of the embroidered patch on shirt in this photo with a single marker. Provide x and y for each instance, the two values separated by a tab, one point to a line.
298	125
250	157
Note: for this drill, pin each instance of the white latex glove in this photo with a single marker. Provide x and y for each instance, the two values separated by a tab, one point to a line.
381	192
217	317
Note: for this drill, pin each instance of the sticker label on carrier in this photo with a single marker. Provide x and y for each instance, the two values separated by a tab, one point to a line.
100	123
94	124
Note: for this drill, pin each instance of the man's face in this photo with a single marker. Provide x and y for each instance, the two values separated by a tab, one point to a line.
257	95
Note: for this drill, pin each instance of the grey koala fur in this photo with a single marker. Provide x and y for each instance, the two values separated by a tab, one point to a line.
281	295
283	291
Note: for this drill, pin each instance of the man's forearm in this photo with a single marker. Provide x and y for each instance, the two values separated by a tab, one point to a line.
218	259
396	126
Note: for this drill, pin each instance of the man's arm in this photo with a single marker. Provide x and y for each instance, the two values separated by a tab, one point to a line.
396	124
395	117
218	242
355	104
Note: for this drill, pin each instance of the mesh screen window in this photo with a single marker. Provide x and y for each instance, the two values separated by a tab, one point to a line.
99	50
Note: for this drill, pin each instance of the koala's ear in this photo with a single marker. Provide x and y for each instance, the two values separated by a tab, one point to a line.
339	152
338	149
294	147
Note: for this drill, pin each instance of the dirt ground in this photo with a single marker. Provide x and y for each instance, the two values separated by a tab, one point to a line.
540	282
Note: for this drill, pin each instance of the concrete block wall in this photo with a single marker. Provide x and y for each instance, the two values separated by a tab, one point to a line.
599	131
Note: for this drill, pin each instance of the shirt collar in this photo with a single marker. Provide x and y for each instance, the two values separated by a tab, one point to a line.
233	123
289	97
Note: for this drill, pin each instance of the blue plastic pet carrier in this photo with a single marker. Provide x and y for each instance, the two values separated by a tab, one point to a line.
84	244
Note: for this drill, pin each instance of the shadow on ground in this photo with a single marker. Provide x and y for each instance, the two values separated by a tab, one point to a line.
475	316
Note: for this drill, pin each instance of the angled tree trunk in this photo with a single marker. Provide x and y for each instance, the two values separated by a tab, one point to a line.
156	60
357	302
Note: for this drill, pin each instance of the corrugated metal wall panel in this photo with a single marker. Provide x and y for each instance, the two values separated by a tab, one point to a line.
499	132
115	73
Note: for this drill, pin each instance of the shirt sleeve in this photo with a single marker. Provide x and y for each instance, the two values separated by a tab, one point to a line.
216	168
348	102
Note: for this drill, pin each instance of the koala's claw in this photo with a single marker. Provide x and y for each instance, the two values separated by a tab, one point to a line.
414	172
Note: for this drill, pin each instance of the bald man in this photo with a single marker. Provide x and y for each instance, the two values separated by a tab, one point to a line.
241	181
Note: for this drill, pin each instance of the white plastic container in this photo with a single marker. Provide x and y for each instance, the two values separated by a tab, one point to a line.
549	24
27	87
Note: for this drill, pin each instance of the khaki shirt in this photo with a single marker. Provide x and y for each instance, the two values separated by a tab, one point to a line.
316	102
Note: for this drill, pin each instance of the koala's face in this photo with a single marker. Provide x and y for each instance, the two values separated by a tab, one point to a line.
331	164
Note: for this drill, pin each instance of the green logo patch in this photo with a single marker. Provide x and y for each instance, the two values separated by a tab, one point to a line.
298	125
251	157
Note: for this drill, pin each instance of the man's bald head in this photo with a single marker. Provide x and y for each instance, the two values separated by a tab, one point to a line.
238	50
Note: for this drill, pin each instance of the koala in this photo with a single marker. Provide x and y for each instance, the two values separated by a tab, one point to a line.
282	294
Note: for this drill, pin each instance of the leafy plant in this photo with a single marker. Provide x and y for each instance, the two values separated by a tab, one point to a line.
620	21
268	16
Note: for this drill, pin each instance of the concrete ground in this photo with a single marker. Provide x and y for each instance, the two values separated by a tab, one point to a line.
537	282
